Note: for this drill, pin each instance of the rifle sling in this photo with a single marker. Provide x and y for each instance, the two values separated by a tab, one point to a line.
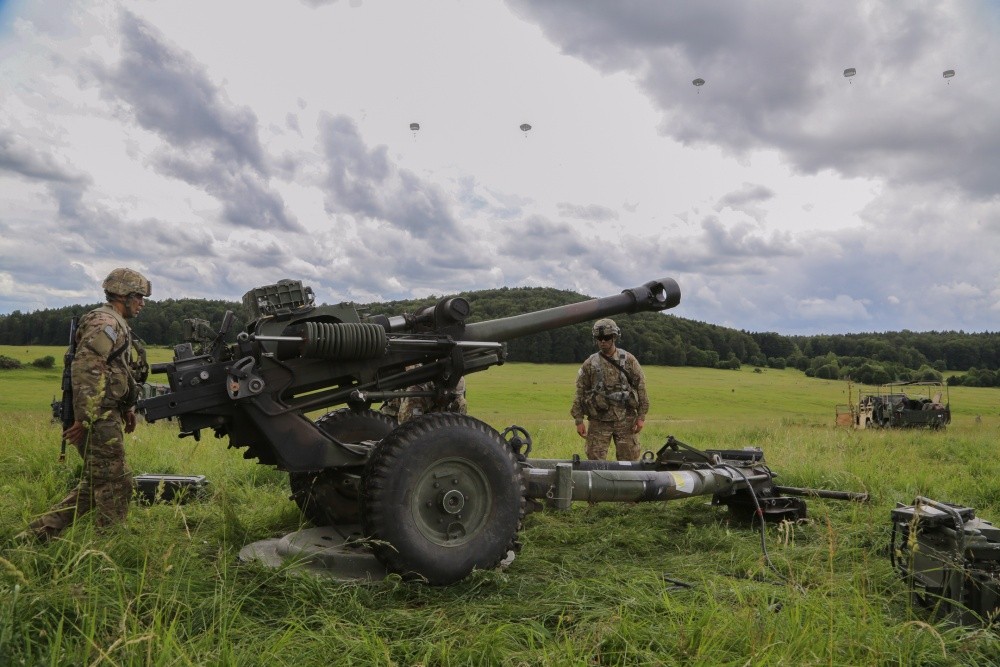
620	368
118	352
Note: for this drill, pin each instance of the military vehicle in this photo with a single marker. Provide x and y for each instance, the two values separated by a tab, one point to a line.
442	494
903	405
950	559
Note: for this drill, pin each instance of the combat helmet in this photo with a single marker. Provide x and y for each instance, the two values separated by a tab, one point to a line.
606	327
126	281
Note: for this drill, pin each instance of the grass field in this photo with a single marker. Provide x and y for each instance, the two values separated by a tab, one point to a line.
588	587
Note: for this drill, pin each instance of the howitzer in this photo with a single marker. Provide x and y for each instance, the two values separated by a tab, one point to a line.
444	493
295	357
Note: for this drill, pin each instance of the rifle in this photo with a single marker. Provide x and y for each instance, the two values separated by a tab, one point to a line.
66	405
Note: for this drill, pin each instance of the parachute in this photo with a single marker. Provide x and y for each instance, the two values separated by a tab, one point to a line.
948	73
849	72
698	83
524	128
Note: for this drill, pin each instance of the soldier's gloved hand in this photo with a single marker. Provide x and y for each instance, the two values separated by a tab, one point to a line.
76	433
581	428
130	421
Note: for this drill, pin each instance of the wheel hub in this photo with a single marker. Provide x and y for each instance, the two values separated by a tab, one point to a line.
451	501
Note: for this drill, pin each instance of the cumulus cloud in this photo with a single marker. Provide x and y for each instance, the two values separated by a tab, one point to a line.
742	240
747	200
773	73
172	95
592	212
782	196
841	308
748	194
364	182
211	143
537	238
20	157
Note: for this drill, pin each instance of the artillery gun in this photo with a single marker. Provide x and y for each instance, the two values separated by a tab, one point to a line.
442	494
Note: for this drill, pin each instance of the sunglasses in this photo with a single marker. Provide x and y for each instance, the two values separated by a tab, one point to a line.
604	337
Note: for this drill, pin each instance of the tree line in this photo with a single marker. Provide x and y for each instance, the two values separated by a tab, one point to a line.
655	338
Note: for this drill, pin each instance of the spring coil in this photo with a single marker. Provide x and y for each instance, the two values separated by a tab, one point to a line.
325	340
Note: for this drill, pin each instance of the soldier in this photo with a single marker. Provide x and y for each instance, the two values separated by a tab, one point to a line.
104	397
414	406
611	394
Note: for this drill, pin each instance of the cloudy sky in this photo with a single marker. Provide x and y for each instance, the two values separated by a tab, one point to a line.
219	146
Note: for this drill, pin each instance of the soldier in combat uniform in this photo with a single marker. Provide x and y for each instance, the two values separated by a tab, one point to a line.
414	406
104	398
611	394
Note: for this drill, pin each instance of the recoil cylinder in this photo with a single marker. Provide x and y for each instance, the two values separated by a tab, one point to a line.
339	341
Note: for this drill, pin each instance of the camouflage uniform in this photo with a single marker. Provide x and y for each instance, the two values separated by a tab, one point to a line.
104	391
414	406
611	404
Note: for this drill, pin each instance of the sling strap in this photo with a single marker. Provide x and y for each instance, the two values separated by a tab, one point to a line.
620	367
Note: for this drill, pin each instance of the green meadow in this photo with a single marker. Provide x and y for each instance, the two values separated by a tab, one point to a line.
591	586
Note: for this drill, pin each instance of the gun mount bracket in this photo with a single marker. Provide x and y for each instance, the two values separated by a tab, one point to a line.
244	380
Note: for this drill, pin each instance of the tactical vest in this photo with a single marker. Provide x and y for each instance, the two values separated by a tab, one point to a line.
622	393
122	390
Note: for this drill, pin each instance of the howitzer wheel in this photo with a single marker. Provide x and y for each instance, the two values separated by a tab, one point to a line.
330	497
442	495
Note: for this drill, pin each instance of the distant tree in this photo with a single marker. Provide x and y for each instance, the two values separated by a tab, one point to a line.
47	361
674	352
732	363
775	345
704	358
828	359
828	372
981	378
961	354
799	361
8	363
871	373
927	374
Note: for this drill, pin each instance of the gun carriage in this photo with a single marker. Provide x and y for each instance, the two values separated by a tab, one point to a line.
442	494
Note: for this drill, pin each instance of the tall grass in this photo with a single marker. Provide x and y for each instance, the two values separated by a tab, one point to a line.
591	586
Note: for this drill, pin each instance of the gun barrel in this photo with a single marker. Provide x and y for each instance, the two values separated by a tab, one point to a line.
653	296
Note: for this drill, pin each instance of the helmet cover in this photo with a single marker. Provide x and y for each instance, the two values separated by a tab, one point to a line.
606	327
126	281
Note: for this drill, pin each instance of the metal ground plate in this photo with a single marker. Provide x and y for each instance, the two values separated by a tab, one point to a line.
329	551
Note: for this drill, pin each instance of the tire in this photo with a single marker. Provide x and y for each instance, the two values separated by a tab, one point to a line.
442	496
330	497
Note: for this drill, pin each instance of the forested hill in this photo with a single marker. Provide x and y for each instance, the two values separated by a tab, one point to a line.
655	338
